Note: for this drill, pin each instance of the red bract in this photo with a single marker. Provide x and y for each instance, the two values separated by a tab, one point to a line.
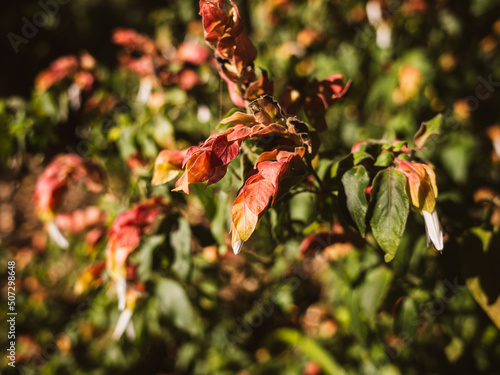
290	100
262	86
234	92
168	164
94	236
136	163
187	79
234	52
261	185
56	178
143	66
144	56
249	206
80	220
192	53
76	69
321	95
214	18
208	162
58	70
126	231
267	123
132	40
422	191
421	184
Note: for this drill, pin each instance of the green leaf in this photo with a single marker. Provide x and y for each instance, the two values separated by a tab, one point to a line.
398	146
181	243
341	166
147	144
324	166
457	155
355	181
384	159
302	207
145	261
454	349
126	142
49	106
221	218
63	107
174	303
206	195
186	356
480	266
427	130
374	290
390	206
359	156
353	302
407	318
492	309
309	347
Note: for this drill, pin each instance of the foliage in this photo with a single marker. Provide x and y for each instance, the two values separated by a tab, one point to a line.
300	234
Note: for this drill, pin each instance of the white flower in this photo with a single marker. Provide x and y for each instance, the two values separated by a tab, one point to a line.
145	89
433	229
383	35
74	97
56	235
374	12
121	291
124	324
237	247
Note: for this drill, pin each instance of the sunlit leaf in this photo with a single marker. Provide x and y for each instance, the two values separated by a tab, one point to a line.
407	318
374	290
384	159
309	347
355	182
180	240
359	156
250	203
174	303
145	256
390	208
427	130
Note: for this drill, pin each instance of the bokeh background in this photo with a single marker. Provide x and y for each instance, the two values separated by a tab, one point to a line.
278	307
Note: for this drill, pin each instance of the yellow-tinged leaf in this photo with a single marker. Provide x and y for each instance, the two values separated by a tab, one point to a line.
244	220
242	118
250	204
432	178
164	173
421	183
168	164
491	309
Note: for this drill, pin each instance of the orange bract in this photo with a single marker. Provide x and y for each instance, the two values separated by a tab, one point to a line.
126	231
261	185
421	183
321	96
56	178
168	164
234	52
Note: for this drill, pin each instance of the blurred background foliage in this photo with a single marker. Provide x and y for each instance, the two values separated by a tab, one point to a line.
277	307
